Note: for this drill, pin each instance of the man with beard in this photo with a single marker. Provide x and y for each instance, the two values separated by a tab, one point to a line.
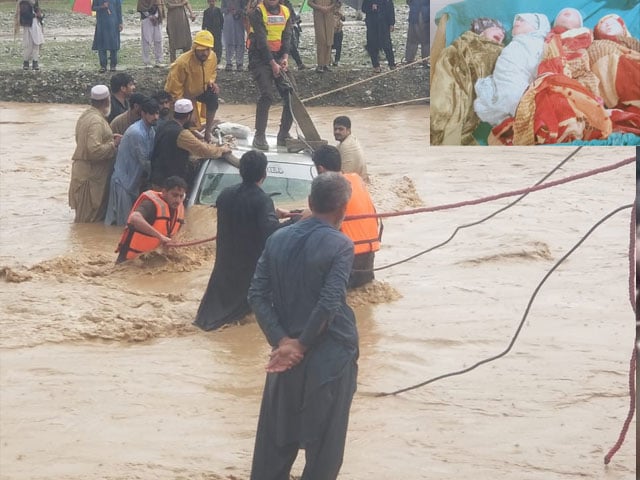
175	143
350	150
193	76
128	118
269	43
164	100
131	171
298	294
246	218
92	159
155	219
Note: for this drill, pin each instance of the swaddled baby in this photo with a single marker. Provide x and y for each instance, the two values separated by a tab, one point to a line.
497	95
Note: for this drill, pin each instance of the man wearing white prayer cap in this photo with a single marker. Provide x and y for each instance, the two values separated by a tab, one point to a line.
93	159
175	145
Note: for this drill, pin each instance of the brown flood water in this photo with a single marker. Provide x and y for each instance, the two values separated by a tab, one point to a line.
103	377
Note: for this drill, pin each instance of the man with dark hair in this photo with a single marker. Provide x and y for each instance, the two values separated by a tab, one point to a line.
246	217
174	143
365	232
298	294
122	87
269	43
380	20
349	148
128	118
164	100
155	218
131	171
92	159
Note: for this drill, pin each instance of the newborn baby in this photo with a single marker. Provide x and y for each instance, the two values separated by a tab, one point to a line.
498	94
565	49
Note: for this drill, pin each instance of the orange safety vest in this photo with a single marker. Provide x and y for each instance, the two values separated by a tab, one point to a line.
365	232
167	223
275	24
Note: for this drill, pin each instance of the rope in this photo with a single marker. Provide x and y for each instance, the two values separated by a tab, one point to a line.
395	70
395	104
524	317
535	188
478	222
632	362
192	243
632	407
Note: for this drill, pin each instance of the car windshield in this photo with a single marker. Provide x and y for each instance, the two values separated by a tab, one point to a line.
288	184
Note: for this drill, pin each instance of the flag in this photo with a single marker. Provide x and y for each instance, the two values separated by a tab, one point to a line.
82	6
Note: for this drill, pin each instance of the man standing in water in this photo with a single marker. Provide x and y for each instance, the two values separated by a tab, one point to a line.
93	159
298	294
364	232
246	217
155	218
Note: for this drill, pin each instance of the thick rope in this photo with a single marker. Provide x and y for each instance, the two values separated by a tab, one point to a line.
524	316
632	362
478	222
344	87
535	188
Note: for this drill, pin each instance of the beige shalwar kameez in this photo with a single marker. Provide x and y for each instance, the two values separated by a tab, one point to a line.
93	162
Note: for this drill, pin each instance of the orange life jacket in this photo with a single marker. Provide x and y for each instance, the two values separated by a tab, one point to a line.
365	232
275	24
167	223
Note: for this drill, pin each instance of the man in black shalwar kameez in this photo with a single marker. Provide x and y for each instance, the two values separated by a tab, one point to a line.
298	294
246	217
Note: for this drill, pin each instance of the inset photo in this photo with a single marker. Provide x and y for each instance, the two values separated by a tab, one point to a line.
534	72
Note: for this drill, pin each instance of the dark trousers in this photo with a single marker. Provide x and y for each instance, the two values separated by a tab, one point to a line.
337	45
263	76
113	58
293	50
324	455
379	38
210	99
362	270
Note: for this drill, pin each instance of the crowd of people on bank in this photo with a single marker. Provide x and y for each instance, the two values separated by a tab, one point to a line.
550	84
230	25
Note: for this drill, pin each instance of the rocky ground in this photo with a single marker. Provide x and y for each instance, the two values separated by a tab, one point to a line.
69	67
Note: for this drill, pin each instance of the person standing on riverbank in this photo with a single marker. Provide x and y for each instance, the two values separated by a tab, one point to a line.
380	20
29	17
106	37
178	29
93	159
323	25
151	17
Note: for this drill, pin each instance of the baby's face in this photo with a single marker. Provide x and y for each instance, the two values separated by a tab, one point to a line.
520	26
494	34
568	19
611	27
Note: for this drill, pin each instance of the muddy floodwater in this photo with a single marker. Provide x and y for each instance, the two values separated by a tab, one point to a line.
102	375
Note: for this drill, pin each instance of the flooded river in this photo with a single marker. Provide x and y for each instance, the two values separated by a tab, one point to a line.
102	375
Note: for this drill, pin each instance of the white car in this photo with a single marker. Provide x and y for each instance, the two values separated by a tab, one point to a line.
289	176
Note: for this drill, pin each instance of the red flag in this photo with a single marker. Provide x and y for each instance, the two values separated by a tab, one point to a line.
82	6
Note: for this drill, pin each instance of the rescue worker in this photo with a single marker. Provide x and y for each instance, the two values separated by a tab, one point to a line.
193	76
366	232
155	218
269	42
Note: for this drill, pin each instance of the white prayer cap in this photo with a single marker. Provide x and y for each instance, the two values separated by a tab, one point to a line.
183	105
99	92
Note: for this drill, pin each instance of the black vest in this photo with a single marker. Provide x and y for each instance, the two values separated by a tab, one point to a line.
167	158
